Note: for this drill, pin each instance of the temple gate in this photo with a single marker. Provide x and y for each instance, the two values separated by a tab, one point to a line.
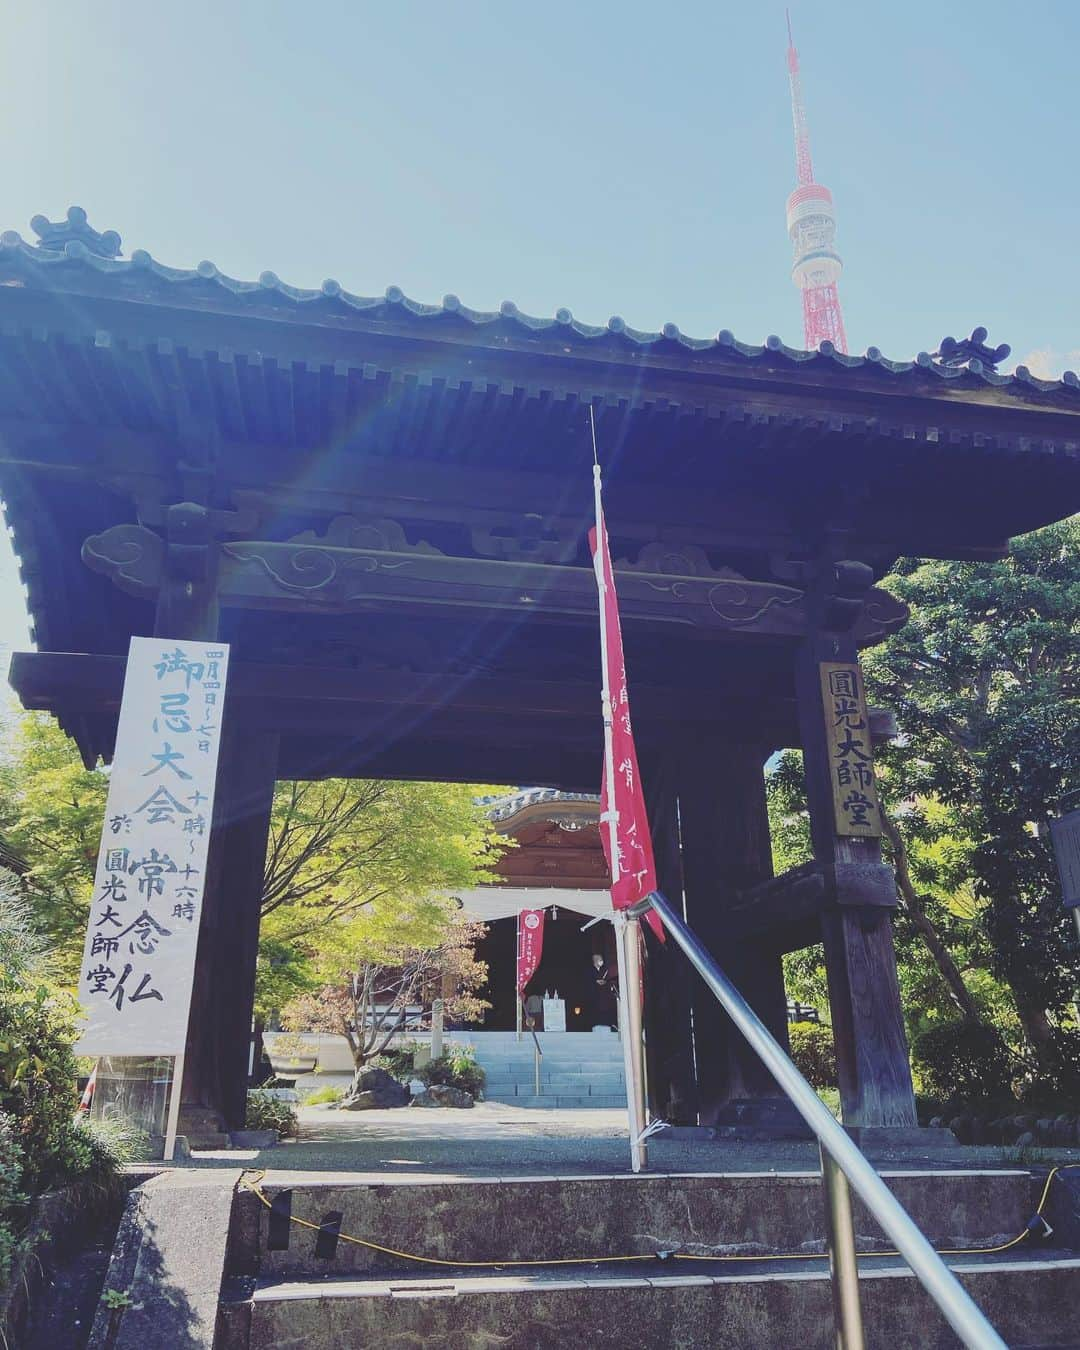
382	506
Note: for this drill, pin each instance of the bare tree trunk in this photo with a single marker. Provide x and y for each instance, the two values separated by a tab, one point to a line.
913	904
1037	1029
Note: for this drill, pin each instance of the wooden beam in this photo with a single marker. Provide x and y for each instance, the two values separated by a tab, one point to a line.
317	575
307	696
267	479
769	911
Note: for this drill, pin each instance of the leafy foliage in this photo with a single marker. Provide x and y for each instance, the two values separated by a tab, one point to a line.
813	1052
391	957
323	1095
457	1068
42	1147
265	1112
342	850
37	1063
985	681
398	1058
963	1062
51	812
12	1199
336	848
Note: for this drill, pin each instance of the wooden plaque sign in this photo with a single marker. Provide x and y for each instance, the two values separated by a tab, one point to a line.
1065	834
847	738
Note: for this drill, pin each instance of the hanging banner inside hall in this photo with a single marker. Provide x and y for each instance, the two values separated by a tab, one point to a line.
139	956
530	945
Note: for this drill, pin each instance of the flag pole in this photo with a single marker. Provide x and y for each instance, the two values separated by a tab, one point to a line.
605	688
624	932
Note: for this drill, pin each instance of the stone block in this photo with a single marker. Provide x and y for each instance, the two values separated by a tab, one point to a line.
440	1094
566	1218
254	1138
375	1089
169	1259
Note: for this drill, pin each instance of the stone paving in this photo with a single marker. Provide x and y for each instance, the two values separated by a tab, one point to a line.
495	1139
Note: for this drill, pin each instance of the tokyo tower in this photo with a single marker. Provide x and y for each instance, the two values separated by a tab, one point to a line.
812	230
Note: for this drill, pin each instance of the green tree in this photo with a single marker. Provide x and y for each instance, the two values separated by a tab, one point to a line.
377	965
340	850
51	812
335	848
938	951
985	682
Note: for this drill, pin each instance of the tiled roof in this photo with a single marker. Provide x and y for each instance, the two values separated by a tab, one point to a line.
74	241
505	808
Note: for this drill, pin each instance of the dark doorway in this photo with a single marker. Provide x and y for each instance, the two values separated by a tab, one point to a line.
565	968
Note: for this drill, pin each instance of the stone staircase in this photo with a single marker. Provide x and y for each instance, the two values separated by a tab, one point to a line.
288	1286
578	1069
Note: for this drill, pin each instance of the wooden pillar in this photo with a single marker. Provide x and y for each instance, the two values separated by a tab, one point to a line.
864	996
219	1030
669	977
726	849
214	1089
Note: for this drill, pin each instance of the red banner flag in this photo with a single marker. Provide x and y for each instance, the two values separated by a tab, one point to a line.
530	945
624	824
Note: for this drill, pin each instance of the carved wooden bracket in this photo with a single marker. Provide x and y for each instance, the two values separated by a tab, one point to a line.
311	573
384	536
679	560
130	555
530	538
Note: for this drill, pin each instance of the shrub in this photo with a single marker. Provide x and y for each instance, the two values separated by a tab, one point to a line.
814	1054
457	1068
38	1085
1055	1084
323	1094
963	1062
12	1199
270	1113
396	1060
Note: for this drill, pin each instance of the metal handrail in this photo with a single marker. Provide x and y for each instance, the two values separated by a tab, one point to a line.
839	1149
538	1055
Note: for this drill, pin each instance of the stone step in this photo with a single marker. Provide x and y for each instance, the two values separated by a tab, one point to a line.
519	1066
562	1102
582	1061
567	1057
1029	1302
209	1141
572	1082
576	1082
579	1217
564	1071
571	1061
483	1039
519	1049
555	1088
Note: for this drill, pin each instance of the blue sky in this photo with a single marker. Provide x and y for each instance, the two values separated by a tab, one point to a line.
616	158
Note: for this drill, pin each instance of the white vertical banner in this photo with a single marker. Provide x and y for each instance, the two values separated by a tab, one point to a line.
139	956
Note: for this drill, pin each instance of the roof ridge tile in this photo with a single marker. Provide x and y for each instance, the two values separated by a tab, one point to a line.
58	249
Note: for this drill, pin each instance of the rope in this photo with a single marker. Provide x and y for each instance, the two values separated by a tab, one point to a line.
255	1187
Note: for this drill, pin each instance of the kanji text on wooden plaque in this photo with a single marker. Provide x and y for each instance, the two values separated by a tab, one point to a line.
851	763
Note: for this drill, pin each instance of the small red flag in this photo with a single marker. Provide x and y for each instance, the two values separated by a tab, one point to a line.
530	945
624	823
